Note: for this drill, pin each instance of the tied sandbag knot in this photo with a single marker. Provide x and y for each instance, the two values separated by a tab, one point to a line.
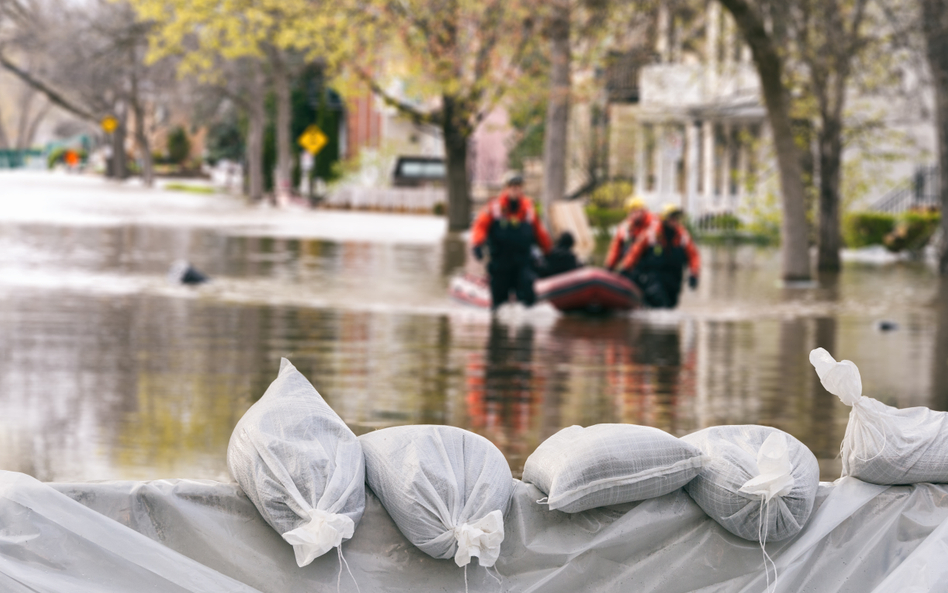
323	532
775	479
773	463
481	538
839	378
843	380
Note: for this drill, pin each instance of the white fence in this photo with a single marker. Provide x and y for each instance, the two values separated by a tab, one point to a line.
395	199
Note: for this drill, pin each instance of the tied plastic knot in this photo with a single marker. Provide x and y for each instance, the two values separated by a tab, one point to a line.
481	538
323	532
775	479
839	378
773	463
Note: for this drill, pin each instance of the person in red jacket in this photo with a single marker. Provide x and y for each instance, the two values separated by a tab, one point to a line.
630	229
509	227
656	260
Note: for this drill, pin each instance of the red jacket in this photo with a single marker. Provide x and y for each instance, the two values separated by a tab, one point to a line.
654	236
628	232
496	210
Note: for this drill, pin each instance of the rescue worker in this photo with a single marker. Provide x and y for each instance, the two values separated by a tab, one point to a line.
561	258
636	222
509	227
656	260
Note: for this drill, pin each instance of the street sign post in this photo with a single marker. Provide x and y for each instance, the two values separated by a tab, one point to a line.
306	165
109	123
313	139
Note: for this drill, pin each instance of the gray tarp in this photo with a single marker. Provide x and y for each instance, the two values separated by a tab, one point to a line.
194	535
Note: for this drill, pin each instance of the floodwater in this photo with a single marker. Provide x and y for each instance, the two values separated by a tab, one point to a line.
109	371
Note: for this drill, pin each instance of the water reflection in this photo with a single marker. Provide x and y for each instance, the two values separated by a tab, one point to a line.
503	394
107	372
529	382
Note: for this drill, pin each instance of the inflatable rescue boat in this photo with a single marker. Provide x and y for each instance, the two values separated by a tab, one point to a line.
591	290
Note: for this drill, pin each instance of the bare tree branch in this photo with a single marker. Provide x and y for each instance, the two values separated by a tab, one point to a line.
42	87
419	117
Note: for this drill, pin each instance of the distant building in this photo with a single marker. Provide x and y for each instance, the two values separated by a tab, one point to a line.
383	134
685	121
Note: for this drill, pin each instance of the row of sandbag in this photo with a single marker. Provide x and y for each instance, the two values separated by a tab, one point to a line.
447	489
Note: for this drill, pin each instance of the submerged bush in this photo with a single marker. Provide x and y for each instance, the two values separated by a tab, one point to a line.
861	229
912	231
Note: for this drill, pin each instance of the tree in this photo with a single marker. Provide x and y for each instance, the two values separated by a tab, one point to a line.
179	146
934	15
257	35
830	35
795	259
467	53
557	112
586	28
87	60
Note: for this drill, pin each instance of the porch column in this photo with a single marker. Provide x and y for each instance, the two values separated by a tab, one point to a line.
690	199
742	159
641	176
708	171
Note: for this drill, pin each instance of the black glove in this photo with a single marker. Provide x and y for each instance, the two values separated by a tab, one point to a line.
478	252
692	282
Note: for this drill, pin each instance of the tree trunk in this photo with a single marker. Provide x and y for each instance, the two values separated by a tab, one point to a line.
284	165
257	120
935	25
26	108
557	112
4	139
456	130
141	139
831	147
795	264
119	161
35	123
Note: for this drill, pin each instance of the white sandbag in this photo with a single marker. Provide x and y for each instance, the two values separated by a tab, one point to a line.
604	464
447	489
300	465
760	482
882	444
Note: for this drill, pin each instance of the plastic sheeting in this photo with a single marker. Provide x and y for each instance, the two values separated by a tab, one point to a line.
189	535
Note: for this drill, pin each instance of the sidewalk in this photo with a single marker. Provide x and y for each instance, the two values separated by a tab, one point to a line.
59	198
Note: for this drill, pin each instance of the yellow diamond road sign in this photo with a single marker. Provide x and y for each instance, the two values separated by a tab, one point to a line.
313	140
109	123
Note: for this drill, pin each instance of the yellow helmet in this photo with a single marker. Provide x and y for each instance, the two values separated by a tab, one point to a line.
670	210
634	202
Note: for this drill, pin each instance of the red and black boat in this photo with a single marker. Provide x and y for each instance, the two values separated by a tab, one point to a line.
588	289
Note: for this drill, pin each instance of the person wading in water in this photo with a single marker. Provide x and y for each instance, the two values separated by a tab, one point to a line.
509	228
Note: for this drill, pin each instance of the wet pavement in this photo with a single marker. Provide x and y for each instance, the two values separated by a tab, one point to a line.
109	371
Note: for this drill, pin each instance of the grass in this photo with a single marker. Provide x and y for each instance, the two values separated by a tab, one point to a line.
194	189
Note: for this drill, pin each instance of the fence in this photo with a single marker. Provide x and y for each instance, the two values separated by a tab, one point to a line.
391	199
921	191
22	159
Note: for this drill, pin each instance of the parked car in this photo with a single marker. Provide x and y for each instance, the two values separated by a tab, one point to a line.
419	171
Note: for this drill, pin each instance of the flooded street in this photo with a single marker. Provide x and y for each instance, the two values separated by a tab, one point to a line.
109	371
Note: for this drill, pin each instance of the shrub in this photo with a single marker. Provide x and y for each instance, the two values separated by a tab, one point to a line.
866	228
179	146
611	195
912	231
58	155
